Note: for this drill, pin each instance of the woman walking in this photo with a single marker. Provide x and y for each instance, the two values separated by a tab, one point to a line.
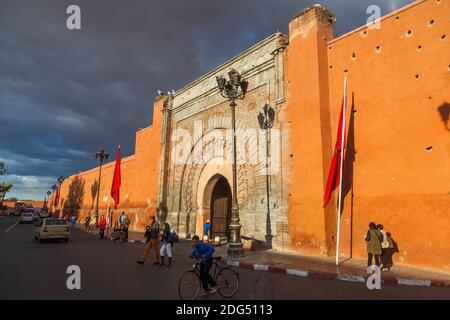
165	245
373	238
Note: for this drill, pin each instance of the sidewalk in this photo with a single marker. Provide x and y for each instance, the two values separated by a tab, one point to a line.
133	236
353	270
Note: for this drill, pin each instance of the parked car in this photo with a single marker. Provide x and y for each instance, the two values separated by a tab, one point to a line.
27	217
52	229
44	214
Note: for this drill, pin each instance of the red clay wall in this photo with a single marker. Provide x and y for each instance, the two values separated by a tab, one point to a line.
394	179
139	180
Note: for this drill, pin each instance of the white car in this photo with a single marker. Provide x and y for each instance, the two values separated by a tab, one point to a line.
44	214
27	217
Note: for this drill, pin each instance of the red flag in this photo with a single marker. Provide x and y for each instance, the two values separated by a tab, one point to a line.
56	197
334	176
115	188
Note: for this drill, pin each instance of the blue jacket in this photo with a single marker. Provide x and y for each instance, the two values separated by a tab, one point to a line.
203	251
206	228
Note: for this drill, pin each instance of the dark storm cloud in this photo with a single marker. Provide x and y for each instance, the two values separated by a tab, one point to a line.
65	94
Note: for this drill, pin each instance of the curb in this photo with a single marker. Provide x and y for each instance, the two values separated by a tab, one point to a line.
310	274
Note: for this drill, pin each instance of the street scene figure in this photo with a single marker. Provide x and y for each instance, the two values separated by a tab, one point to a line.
203	253
166	246
153	243
73	220
102	226
373	238
87	222
206	228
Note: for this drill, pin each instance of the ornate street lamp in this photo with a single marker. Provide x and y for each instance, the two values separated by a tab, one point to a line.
100	156
266	121
234	89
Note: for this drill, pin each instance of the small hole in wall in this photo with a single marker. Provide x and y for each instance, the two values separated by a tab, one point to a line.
417	77
353	56
408	33
378	49
448	67
429	98
429	149
431	23
291	155
443	37
331	67
438	1
329	47
419	47
397	17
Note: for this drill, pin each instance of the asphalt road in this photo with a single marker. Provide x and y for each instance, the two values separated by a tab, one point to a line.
29	270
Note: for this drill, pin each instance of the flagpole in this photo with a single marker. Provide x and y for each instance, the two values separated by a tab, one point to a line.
107	215
341	171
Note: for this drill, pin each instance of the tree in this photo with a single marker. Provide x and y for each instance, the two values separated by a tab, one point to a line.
4	188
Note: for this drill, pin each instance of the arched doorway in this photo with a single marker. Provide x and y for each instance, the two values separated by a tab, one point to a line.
220	209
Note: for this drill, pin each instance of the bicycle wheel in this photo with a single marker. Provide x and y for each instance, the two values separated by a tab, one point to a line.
189	285
227	281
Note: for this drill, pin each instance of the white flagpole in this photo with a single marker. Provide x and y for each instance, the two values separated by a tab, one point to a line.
107	215
341	165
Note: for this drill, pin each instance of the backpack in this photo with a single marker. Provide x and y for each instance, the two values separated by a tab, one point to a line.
173	237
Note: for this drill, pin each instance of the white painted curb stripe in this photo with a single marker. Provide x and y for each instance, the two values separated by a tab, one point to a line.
350	278
414	282
233	263
299	273
260	267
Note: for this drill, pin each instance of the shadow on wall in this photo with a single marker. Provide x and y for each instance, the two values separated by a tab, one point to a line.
75	196
444	112
94	190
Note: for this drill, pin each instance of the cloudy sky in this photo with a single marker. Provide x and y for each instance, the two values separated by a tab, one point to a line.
64	94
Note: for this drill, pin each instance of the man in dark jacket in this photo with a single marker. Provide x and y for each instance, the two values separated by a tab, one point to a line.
153	243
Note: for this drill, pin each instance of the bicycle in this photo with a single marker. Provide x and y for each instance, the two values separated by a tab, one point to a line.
118	234
227	280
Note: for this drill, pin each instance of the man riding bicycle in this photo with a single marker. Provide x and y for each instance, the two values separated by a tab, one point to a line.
204	253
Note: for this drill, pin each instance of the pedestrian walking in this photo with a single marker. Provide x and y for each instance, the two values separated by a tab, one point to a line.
206	228
384	240
102	226
373	238
126	225
165	245
153	243
87	221
386	258
122	218
73	220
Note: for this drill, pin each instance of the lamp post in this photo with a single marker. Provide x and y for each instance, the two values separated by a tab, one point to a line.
100	156
46	204
234	89
60	181
266	121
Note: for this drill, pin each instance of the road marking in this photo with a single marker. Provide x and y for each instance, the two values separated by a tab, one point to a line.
15	224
